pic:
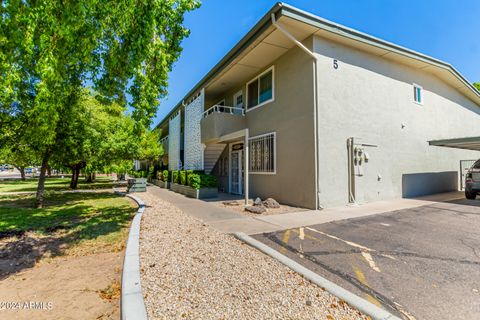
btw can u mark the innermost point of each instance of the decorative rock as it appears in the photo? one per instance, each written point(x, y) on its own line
point(271, 203)
point(231, 203)
point(257, 202)
point(256, 209)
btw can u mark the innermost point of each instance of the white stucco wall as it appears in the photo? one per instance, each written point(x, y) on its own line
point(174, 143)
point(193, 143)
point(371, 98)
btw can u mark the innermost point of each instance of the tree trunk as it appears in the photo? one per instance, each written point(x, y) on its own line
point(49, 171)
point(41, 183)
point(75, 175)
point(88, 177)
point(22, 171)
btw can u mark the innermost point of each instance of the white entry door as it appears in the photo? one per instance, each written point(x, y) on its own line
point(236, 174)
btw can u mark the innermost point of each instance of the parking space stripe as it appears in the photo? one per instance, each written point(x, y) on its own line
point(363, 280)
point(286, 237)
point(368, 257)
point(353, 244)
point(352, 279)
point(301, 233)
point(306, 235)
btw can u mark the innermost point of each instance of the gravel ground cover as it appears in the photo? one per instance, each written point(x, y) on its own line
point(191, 271)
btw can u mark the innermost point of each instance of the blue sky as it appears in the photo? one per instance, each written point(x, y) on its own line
point(447, 30)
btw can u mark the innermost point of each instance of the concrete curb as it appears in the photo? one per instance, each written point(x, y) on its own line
point(132, 306)
point(352, 299)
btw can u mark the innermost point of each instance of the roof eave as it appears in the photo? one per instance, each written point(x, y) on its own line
point(258, 29)
point(283, 9)
point(333, 27)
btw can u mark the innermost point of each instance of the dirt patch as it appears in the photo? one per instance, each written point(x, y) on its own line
point(63, 261)
point(66, 288)
point(22, 252)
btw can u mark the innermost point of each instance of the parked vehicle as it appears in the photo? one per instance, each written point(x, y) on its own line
point(472, 181)
point(28, 170)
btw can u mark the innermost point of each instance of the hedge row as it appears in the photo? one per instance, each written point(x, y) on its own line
point(191, 178)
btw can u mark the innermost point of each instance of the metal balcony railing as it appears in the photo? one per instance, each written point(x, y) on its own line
point(224, 109)
point(164, 143)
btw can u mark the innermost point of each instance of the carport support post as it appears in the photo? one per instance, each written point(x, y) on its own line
point(246, 156)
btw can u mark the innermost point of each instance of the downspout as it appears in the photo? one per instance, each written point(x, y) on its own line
point(315, 101)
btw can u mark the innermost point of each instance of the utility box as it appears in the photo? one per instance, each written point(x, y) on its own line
point(137, 185)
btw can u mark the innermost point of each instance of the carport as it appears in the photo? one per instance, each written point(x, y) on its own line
point(470, 143)
point(466, 143)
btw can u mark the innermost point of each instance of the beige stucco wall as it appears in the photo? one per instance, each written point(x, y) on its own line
point(290, 116)
point(371, 98)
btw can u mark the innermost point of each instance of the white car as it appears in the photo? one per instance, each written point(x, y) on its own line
point(472, 181)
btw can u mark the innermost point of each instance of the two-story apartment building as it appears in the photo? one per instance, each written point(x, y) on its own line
point(315, 114)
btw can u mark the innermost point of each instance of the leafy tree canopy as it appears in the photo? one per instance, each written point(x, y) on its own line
point(52, 50)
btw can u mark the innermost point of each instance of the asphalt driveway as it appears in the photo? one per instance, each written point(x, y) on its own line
point(419, 263)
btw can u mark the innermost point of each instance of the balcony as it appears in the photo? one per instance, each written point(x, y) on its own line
point(219, 121)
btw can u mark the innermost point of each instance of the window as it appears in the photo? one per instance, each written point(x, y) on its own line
point(417, 94)
point(260, 90)
point(262, 151)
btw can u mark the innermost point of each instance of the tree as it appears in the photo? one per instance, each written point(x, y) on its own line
point(51, 50)
point(150, 147)
point(97, 135)
point(19, 155)
point(477, 85)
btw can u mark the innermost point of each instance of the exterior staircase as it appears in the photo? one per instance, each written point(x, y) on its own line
point(211, 154)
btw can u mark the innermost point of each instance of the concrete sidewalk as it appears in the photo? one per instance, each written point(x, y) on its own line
point(229, 221)
point(224, 220)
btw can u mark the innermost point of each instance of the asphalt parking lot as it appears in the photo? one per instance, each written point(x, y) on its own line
point(418, 263)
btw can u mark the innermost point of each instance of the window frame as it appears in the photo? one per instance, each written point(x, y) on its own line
point(274, 172)
point(257, 78)
point(422, 95)
point(235, 96)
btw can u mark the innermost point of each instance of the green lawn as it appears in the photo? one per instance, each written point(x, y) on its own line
point(54, 184)
point(73, 217)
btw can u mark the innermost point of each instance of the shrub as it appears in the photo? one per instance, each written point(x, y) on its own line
point(159, 175)
point(200, 180)
point(137, 174)
point(165, 175)
point(175, 176)
point(151, 172)
point(183, 177)
point(194, 180)
point(187, 174)
point(209, 181)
